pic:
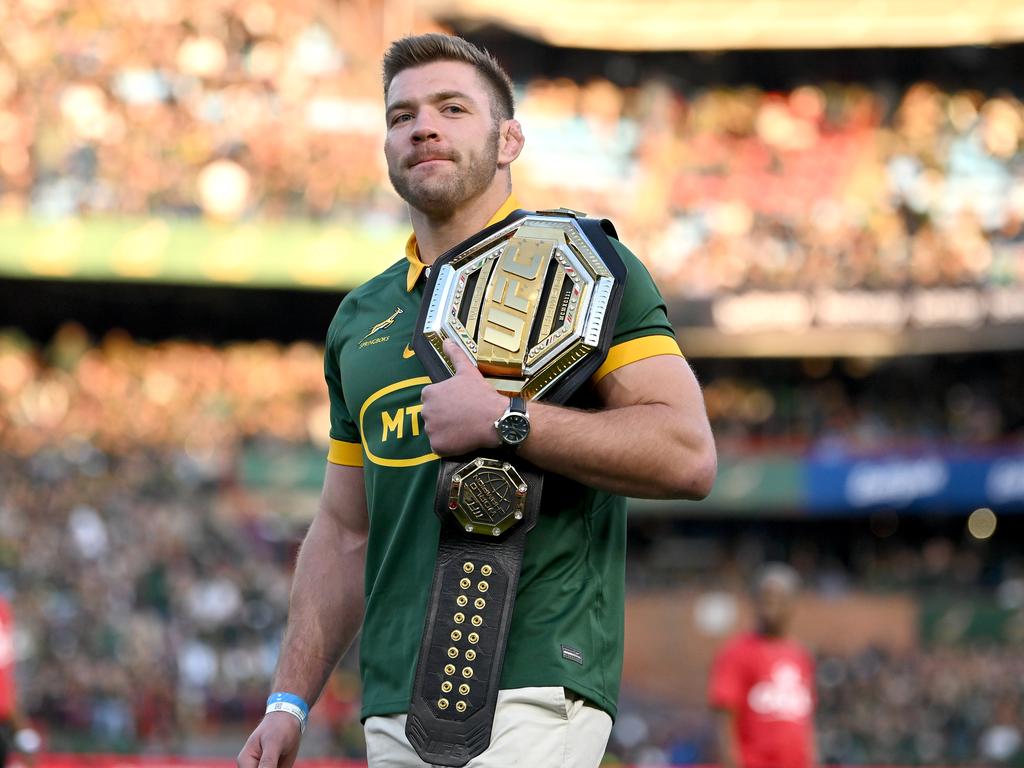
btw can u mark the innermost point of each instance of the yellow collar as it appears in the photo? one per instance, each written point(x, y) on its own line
point(412, 252)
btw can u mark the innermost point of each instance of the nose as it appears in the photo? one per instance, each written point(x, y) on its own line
point(425, 128)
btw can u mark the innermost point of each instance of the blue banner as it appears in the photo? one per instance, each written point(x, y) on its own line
point(933, 482)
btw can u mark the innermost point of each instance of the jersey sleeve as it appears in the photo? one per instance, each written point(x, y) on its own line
point(725, 686)
point(346, 445)
point(642, 328)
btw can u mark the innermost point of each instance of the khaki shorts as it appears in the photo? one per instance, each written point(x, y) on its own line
point(533, 728)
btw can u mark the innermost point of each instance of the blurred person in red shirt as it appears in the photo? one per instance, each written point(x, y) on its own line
point(762, 684)
point(12, 722)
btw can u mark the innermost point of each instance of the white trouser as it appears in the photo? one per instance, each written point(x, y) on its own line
point(546, 727)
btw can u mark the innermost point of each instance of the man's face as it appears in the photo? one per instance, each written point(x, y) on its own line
point(442, 140)
point(774, 607)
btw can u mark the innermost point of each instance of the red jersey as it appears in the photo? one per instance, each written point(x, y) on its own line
point(769, 684)
point(6, 661)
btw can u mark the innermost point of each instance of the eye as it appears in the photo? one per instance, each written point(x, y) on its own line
point(453, 108)
point(401, 117)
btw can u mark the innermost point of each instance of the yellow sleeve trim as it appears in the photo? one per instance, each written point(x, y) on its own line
point(346, 454)
point(636, 349)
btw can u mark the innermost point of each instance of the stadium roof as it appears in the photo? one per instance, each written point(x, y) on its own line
point(677, 25)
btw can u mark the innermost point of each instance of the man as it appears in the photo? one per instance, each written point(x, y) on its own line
point(762, 684)
point(369, 555)
point(15, 729)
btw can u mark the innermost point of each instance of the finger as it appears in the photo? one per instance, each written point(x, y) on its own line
point(270, 756)
point(250, 755)
point(459, 359)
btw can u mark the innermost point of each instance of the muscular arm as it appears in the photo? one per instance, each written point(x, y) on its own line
point(652, 439)
point(326, 606)
point(725, 732)
point(324, 614)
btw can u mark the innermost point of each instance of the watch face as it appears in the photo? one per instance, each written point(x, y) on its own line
point(514, 428)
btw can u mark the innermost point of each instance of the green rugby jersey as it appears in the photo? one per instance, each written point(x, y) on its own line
point(567, 627)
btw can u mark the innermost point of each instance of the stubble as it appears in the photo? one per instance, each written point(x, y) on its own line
point(439, 198)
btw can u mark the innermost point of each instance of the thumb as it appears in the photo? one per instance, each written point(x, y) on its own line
point(459, 359)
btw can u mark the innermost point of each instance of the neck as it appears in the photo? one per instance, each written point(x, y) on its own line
point(770, 631)
point(434, 236)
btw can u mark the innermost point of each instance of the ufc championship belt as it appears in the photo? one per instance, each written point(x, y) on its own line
point(533, 301)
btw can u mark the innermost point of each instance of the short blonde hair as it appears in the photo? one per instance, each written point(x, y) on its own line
point(417, 50)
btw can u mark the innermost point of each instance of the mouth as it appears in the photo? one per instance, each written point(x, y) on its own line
point(428, 161)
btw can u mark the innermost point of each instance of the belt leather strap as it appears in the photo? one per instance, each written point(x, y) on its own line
point(463, 646)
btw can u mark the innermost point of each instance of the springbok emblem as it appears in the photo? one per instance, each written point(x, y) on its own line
point(383, 323)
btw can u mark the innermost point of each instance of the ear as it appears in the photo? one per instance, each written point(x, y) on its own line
point(510, 141)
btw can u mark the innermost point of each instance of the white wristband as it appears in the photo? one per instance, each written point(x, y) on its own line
point(291, 709)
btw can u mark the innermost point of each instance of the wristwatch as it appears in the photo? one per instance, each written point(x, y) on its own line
point(514, 424)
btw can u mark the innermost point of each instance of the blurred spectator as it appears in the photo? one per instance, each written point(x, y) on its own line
point(762, 684)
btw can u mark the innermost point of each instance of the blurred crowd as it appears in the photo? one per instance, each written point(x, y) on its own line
point(149, 590)
point(954, 707)
point(261, 109)
point(867, 406)
point(949, 707)
point(149, 585)
point(210, 400)
point(150, 582)
point(146, 599)
point(123, 394)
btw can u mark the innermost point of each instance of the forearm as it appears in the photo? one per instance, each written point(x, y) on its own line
point(652, 438)
point(726, 738)
point(326, 607)
point(644, 451)
point(726, 754)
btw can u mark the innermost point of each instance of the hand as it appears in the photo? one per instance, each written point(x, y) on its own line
point(274, 743)
point(459, 413)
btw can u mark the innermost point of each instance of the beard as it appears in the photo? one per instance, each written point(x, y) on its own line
point(440, 196)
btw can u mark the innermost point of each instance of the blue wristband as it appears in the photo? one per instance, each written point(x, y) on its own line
point(289, 698)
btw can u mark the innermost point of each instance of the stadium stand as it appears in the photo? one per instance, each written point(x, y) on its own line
point(152, 493)
point(150, 572)
point(247, 111)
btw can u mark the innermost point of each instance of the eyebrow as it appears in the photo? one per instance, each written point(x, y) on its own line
point(431, 98)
